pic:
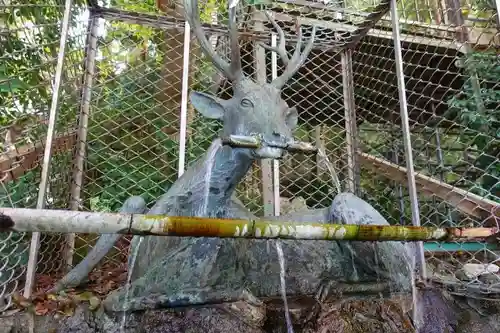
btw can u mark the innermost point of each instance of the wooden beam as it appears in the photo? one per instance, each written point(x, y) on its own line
point(165, 23)
point(465, 201)
point(16, 163)
point(353, 30)
point(320, 7)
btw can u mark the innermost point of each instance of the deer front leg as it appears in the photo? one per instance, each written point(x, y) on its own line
point(79, 273)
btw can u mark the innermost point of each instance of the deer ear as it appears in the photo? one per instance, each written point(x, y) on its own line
point(209, 106)
point(292, 117)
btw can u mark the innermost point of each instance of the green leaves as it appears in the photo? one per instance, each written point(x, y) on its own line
point(13, 85)
point(481, 127)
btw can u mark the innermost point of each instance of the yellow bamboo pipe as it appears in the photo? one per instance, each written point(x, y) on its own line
point(62, 221)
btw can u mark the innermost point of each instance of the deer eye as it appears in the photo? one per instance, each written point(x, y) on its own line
point(245, 102)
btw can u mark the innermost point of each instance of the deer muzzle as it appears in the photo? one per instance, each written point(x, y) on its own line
point(270, 152)
point(257, 143)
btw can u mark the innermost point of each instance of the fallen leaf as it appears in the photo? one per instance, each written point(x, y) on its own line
point(40, 309)
point(67, 311)
point(94, 303)
point(20, 300)
point(85, 296)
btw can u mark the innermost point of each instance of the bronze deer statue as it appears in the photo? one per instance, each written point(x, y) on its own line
point(254, 109)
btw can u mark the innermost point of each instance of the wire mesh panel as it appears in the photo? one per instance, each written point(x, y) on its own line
point(30, 37)
point(133, 133)
point(451, 75)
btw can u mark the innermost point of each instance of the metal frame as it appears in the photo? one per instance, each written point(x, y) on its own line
point(35, 238)
point(405, 126)
point(276, 163)
point(266, 166)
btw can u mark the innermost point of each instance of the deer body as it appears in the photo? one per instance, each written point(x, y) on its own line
point(188, 197)
point(184, 198)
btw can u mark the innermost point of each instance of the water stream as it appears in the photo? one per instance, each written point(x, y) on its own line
point(281, 259)
point(209, 164)
point(336, 183)
point(279, 249)
point(331, 169)
point(131, 263)
point(212, 151)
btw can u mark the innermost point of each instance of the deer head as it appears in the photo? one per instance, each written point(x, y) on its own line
point(255, 108)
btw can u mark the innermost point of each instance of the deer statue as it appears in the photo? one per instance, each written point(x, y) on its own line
point(254, 108)
point(174, 271)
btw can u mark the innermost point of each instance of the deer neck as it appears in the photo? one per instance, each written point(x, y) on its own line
point(223, 167)
point(207, 186)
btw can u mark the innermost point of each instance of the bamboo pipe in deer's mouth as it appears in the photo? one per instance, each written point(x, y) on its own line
point(255, 142)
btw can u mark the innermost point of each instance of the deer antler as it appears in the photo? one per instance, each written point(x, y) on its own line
point(231, 71)
point(298, 58)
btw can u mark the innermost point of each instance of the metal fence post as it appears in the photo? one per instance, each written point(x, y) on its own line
point(350, 120)
point(184, 100)
point(276, 163)
point(83, 122)
point(265, 165)
point(497, 5)
point(412, 188)
point(44, 177)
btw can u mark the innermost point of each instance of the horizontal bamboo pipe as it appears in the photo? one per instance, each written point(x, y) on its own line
point(257, 142)
point(63, 221)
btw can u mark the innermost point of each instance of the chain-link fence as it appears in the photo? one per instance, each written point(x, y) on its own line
point(30, 34)
point(450, 66)
point(119, 130)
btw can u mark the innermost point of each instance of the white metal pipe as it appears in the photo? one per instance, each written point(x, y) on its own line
point(266, 165)
point(497, 3)
point(184, 100)
point(412, 188)
point(276, 163)
point(44, 177)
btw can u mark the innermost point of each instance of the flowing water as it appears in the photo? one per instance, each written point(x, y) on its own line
point(212, 151)
point(336, 183)
point(281, 259)
point(279, 249)
point(331, 169)
point(133, 258)
point(209, 164)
